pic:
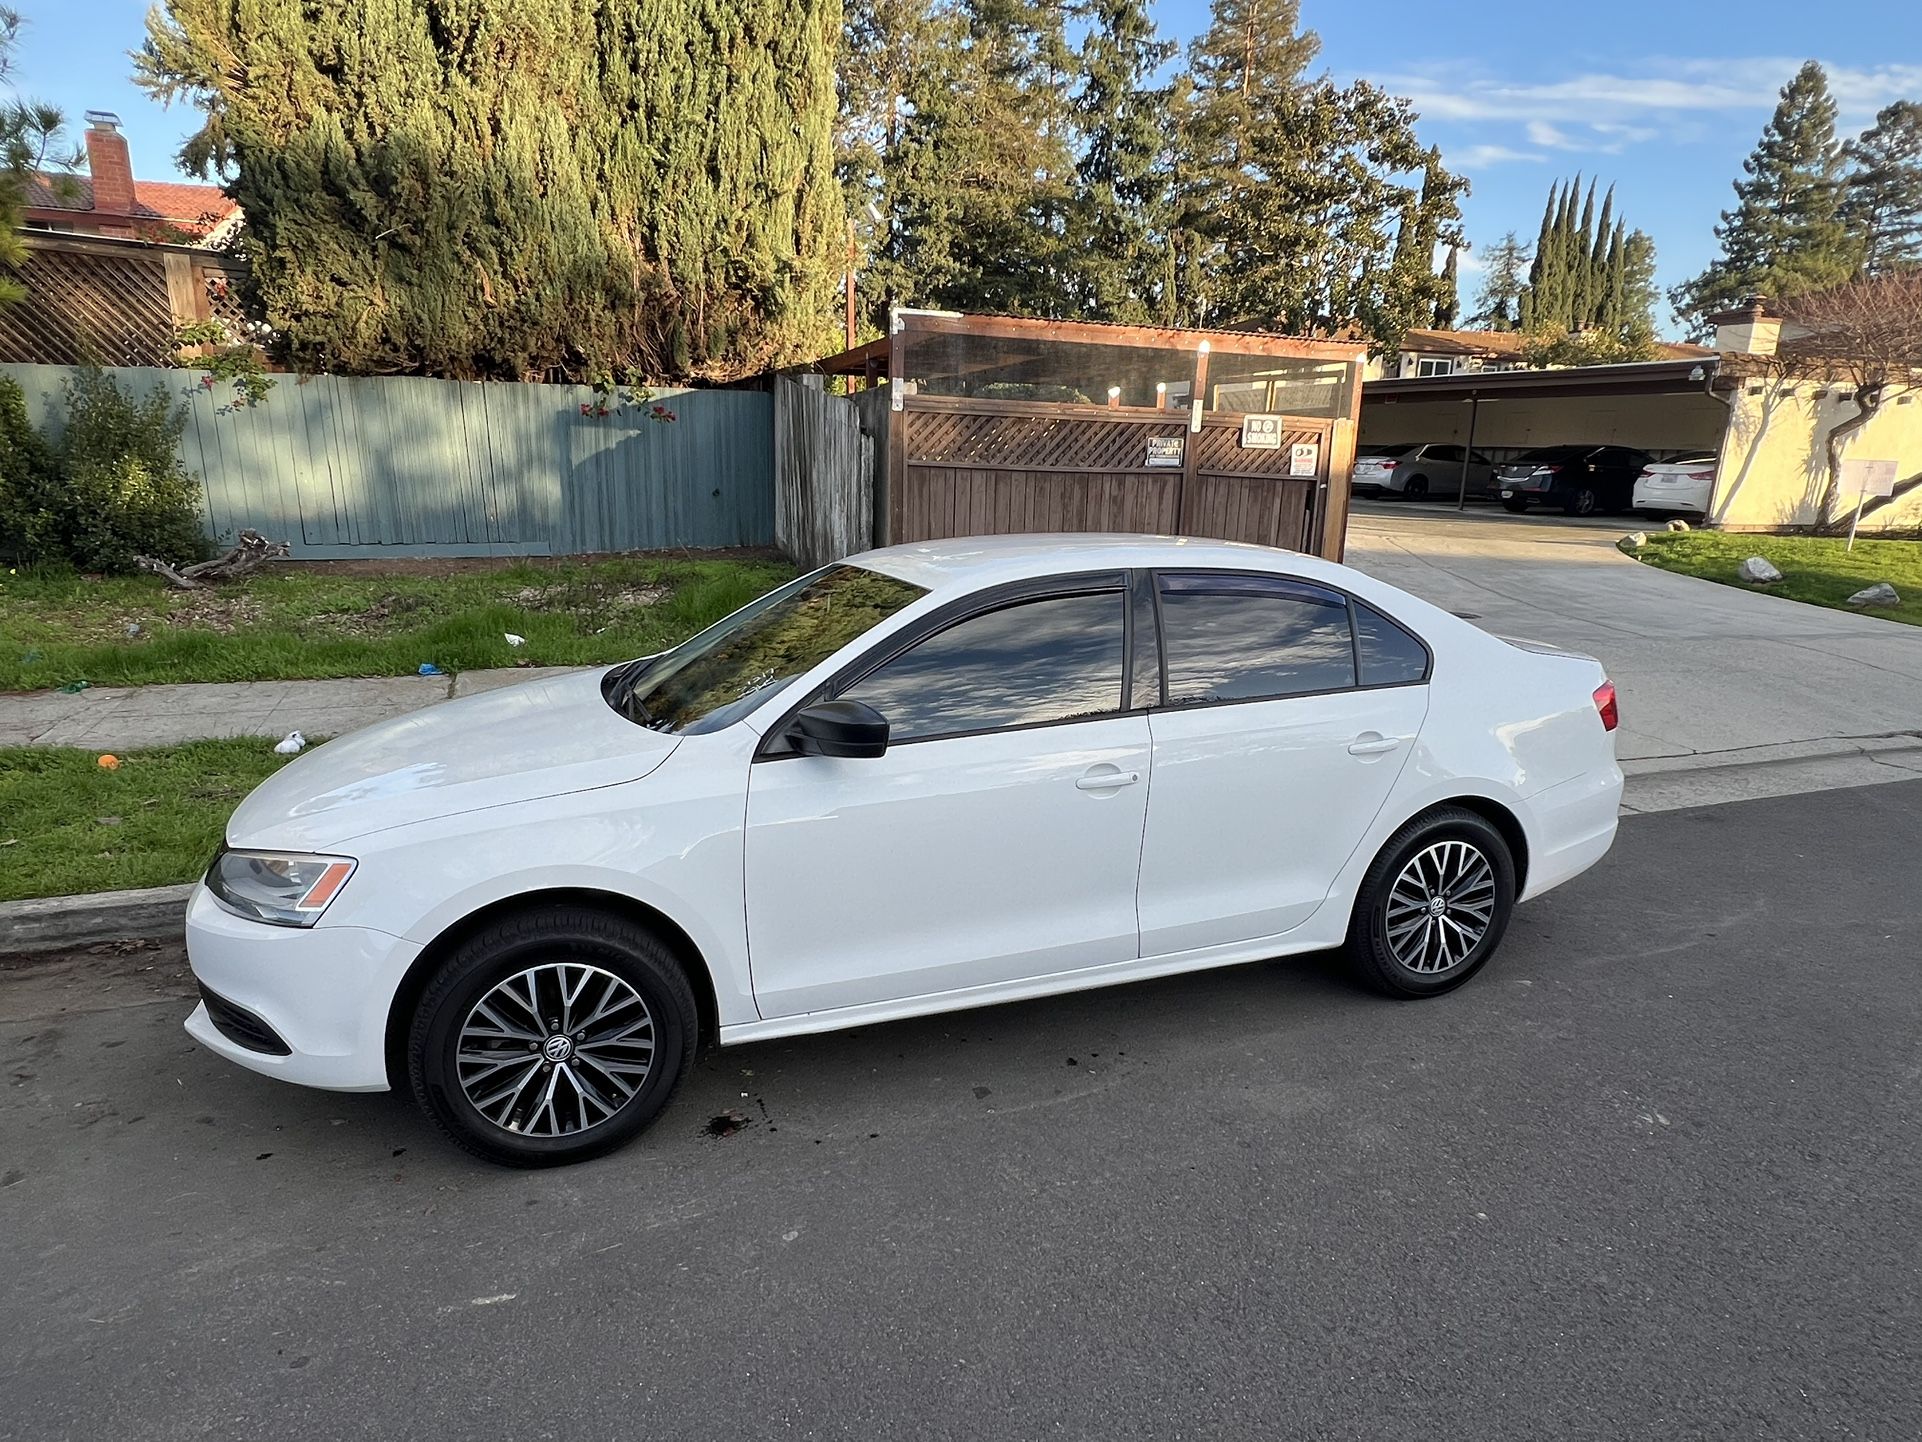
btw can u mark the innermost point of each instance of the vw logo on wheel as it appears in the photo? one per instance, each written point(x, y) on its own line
point(557, 1048)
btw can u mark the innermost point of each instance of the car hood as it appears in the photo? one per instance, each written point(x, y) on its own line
point(540, 738)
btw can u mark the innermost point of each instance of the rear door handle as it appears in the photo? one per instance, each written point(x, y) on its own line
point(1372, 743)
point(1107, 780)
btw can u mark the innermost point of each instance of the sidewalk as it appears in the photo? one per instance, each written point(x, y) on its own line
point(121, 718)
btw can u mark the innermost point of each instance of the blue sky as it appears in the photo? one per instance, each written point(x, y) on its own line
point(1661, 97)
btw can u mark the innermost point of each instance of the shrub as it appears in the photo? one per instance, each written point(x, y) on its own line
point(110, 489)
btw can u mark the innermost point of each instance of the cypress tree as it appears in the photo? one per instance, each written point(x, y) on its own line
point(1595, 313)
point(1448, 302)
point(1582, 270)
point(516, 188)
point(1786, 233)
point(1882, 204)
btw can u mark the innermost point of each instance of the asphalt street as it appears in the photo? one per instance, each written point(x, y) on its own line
point(1653, 1174)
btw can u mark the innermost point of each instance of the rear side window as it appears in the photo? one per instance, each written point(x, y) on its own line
point(1390, 656)
point(1058, 659)
point(1246, 638)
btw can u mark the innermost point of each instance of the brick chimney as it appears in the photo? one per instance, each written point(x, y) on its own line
point(112, 171)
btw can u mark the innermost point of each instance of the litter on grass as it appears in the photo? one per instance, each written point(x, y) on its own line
point(514, 640)
point(291, 744)
point(428, 668)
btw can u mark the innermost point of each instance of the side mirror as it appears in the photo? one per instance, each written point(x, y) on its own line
point(839, 728)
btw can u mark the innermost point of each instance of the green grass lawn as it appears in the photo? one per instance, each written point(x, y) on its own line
point(67, 825)
point(288, 623)
point(1814, 569)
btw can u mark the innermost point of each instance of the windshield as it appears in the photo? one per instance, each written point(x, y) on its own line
point(1379, 453)
point(710, 679)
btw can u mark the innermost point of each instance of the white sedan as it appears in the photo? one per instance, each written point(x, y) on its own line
point(931, 777)
point(1681, 483)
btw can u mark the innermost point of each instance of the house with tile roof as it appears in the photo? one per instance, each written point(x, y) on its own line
point(1471, 352)
point(109, 201)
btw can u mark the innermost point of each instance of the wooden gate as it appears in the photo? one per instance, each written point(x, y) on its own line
point(992, 425)
point(973, 467)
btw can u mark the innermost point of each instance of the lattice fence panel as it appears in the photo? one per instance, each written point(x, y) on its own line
point(1219, 451)
point(83, 307)
point(1015, 441)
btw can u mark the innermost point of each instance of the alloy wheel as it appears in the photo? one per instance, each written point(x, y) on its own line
point(1440, 907)
point(555, 1050)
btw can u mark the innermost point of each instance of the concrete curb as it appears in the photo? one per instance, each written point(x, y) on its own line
point(59, 923)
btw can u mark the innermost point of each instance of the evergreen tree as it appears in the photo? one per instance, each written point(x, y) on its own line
point(1600, 296)
point(1504, 278)
point(1638, 291)
point(1882, 205)
point(1579, 258)
point(1122, 210)
point(1448, 303)
point(1300, 208)
point(1786, 233)
point(522, 188)
point(978, 186)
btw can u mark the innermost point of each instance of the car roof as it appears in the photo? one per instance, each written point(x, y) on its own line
point(968, 563)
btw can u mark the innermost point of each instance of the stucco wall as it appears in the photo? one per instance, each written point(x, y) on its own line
point(1774, 460)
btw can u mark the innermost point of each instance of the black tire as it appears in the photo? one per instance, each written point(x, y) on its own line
point(1582, 501)
point(1370, 951)
point(1416, 489)
point(573, 936)
point(1515, 505)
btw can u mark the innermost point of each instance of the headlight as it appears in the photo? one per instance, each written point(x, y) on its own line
point(285, 888)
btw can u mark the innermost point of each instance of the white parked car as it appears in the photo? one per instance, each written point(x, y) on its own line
point(1681, 483)
point(931, 777)
point(1415, 472)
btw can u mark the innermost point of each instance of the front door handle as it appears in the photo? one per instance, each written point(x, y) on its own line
point(1107, 780)
point(1372, 743)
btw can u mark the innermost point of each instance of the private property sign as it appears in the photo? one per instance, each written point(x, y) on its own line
point(1164, 450)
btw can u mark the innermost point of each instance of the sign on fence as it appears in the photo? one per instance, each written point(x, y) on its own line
point(1261, 433)
point(1304, 458)
point(1164, 450)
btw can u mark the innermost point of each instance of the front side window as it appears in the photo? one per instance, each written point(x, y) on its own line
point(1245, 638)
point(1056, 659)
point(712, 679)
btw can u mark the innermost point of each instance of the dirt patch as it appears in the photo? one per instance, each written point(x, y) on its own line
point(376, 618)
point(224, 612)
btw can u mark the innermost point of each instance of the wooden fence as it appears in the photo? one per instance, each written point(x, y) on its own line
point(823, 475)
point(368, 466)
point(113, 302)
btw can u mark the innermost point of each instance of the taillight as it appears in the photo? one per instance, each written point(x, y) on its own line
point(1605, 705)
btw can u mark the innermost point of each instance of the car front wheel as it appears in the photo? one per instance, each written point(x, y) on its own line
point(552, 1036)
point(1433, 906)
point(1514, 504)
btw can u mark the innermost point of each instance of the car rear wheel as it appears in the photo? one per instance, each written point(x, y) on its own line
point(1416, 489)
point(1582, 501)
point(1515, 504)
point(552, 1036)
point(1433, 906)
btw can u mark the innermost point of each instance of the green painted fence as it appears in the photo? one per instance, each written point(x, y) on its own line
point(352, 467)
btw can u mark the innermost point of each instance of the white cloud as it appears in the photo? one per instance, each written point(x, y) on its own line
point(1622, 105)
point(1540, 132)
point(1476, 157)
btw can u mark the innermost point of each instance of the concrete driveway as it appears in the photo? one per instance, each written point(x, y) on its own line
point(1707, 674)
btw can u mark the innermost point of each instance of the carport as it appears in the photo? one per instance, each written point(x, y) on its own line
point(1662, 407)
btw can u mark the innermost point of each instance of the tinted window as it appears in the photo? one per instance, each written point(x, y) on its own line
point(1477, 458)
point(1242, 638)
point(1389, 655)
point(1444, 453)
point(1049, 660)
point(710, 679)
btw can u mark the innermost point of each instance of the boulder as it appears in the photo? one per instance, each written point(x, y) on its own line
point(1880, 594)
point(1678, 524)
point(1758, 571)
point(1635, 540)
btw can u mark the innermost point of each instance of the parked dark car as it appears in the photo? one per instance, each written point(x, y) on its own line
point(1580, 479)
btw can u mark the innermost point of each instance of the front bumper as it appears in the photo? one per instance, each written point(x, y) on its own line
point(323, 992)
